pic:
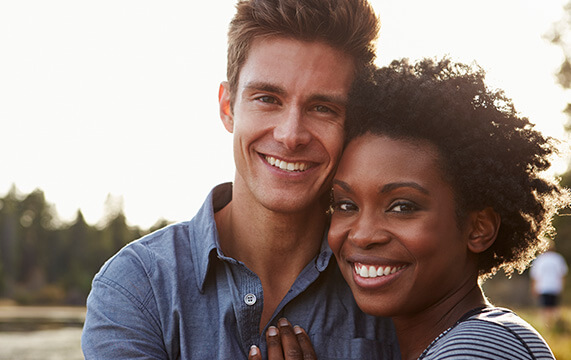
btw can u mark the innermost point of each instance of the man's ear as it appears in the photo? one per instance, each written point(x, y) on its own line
point(484, 225)
point(226, 114)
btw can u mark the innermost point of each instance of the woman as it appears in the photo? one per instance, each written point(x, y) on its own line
point(440, 186)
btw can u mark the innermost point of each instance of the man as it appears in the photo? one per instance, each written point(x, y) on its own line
point(255, 253)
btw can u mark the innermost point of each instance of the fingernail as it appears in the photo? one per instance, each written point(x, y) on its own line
point(272, 331)
point(297, 330)
point(253, 350)
point(282, 322)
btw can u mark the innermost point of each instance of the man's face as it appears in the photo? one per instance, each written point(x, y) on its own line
point(287, 121)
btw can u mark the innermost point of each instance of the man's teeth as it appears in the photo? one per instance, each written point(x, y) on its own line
point(288, 166)
point(370, 271)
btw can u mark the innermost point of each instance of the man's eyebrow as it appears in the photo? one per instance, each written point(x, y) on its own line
point(264, 86)
point(275, 89)
point(392, 186)
point(332, 99)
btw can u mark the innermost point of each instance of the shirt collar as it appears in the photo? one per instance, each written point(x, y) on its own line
point(204, 235)
point(203, 232)
point(325, 253)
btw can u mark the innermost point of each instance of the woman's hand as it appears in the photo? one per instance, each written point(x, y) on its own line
point(285, 343)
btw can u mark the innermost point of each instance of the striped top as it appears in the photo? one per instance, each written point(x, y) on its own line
point(489, 333)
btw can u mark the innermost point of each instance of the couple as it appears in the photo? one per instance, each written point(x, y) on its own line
point(257, 252)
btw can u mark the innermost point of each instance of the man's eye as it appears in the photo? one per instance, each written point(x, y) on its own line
point(323, 109)
point(268, 99)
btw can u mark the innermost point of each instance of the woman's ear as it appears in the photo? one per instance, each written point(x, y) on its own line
point(483, 230)
point(226, 114)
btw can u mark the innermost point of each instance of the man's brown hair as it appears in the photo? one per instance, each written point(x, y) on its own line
point(347, 25)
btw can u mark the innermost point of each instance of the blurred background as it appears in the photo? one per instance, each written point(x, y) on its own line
point(109, 129)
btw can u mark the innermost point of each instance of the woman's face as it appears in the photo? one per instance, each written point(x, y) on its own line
point(394, 227)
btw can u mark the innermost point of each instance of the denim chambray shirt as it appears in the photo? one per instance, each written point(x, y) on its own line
point(174, 295)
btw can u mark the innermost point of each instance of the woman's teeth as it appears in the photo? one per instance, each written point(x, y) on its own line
point(371, 271)
point(288, 166)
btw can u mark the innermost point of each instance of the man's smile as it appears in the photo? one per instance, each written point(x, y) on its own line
point(287, 166)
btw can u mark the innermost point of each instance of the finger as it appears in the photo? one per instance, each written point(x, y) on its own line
point(254, 353)
point(275, 351)
point(304, 343)
point(291, 348)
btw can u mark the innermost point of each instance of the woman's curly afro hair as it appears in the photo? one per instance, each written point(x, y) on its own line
point(490, 156)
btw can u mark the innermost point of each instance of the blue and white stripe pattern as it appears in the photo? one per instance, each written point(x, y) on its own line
point(491, 333)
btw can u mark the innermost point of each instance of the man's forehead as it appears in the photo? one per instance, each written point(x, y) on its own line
point(282, 64)
point(266, 44)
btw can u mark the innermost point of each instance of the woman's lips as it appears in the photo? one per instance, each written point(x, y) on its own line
point(373, 271)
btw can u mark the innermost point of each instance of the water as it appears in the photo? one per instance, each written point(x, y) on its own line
point(53, 344)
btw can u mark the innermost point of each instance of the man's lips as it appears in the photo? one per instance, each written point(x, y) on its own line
point(298, 166)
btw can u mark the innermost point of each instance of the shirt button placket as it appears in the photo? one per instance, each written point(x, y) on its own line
point(250, 308)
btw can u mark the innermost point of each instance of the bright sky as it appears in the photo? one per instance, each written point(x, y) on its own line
point(120, 97)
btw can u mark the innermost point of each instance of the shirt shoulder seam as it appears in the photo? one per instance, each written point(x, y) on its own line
point(140, 304)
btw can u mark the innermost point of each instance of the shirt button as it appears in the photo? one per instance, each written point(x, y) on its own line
point(250, 299)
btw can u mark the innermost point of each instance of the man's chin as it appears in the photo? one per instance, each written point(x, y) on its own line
point(291, 204)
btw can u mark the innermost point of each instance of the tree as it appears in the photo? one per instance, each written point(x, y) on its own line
point(43, 260)
point(36, 217)
point(8, 241)
point(560, 35)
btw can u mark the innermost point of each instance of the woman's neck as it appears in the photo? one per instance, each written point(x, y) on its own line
point(417, 331)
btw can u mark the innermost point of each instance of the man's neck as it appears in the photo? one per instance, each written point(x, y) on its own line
point(276, 246)
point(261, 238)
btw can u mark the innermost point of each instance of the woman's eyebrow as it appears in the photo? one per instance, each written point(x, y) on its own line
point(342, 184)
point(392, 186)
point(386, 188)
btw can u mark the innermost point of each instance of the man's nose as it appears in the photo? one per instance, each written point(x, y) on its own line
point(292, 130)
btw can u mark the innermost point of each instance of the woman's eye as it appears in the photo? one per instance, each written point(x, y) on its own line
point(403, 207)
point(343, 206)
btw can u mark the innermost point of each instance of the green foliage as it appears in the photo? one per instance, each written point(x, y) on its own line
point(558, 335)
point(45, 261)
point(560, 36)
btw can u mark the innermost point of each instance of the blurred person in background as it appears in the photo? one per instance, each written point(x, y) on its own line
point(547, 274)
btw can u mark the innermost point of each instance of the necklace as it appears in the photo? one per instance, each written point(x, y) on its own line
point(464, 317)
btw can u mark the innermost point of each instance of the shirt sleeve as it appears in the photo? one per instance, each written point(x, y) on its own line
point(120, 321)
